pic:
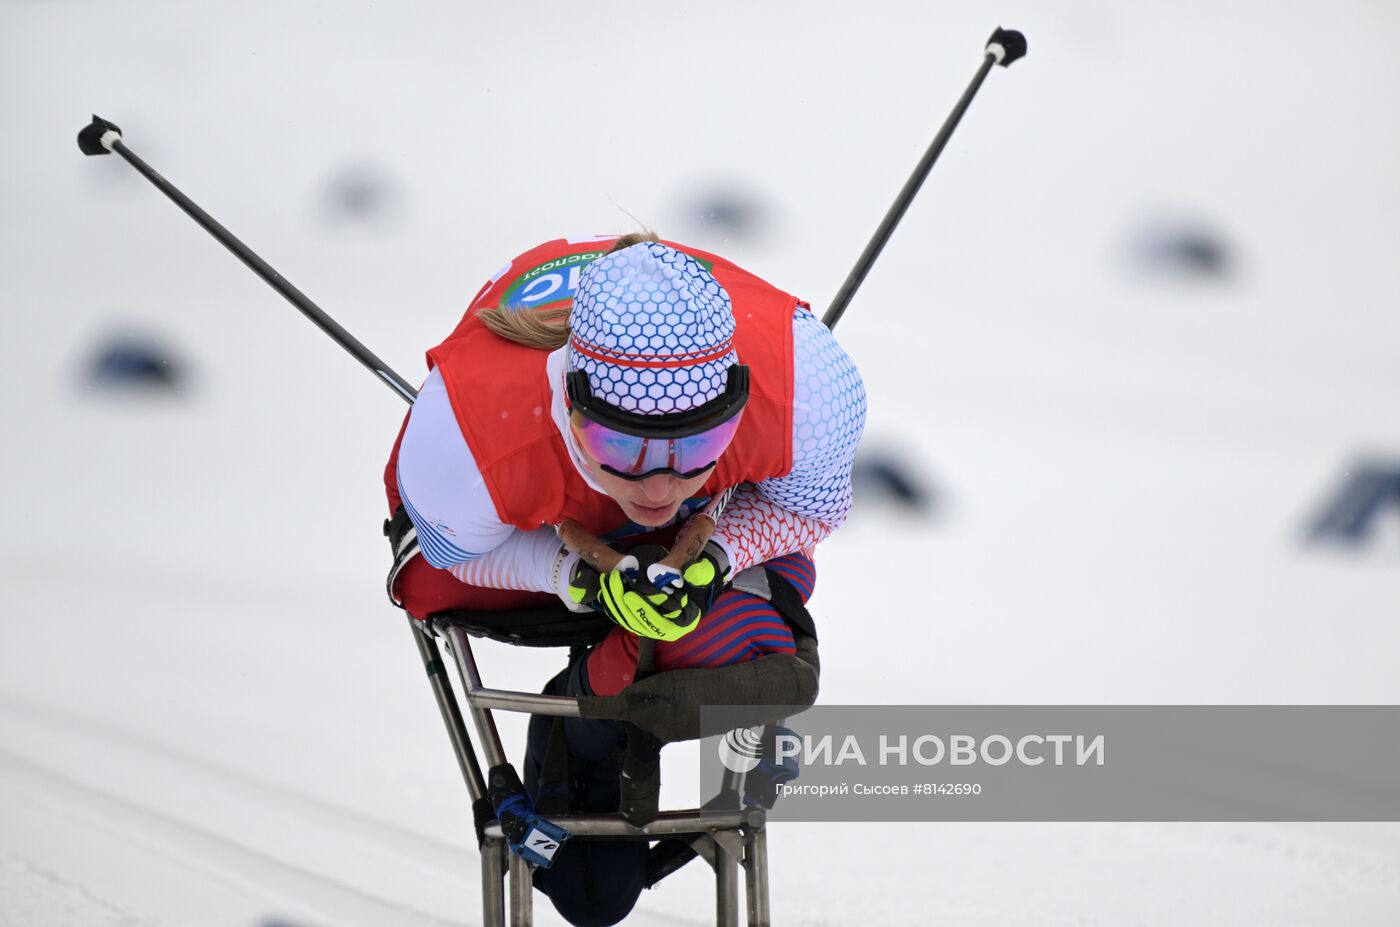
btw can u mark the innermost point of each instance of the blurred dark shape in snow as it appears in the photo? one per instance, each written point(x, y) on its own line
point(134, 363)
point(1182, 250)
point(1368, 489)
point(363, 195)
point(722, 211)
point(889, 478)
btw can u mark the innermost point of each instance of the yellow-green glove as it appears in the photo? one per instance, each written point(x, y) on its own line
point(701, 581)
point(631, 601)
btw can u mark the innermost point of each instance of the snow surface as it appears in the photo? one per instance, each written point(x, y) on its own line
point(208, 714)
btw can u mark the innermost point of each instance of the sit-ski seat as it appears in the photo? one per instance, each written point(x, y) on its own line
point(666, 706)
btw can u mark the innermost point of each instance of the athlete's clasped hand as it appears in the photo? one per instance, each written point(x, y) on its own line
point(627, 597)
point(703, 580)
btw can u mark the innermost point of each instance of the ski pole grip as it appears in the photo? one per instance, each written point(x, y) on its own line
point(689, 543)
point(1006, 46)
point(601, 557)
point(581, 541)
point(98, 136)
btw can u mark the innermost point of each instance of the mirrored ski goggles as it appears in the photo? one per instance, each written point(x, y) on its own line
point(634, 446)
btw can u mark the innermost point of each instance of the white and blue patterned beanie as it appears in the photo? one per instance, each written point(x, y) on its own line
point(653, 330)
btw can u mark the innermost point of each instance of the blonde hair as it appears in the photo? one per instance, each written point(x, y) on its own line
point(546, 328)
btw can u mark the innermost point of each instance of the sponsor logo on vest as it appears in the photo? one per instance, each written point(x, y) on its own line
point(554, 281)
point(551, 282)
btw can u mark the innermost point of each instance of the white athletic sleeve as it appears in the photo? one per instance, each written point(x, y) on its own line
point(796, 511)
point(443, 490)
point(532, 560)
point(447, 500)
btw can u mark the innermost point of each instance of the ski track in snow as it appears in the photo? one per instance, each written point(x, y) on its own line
point(105, 737)
point(265, 876)
point(32, 894)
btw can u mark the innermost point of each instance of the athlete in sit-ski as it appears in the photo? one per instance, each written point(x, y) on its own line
point(678, 377)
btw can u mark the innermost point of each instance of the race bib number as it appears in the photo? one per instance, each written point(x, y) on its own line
point(542, 844)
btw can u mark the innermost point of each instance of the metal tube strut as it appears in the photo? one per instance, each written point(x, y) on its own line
point(447, 706)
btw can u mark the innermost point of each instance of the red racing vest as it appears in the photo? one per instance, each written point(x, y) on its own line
point(500, 392)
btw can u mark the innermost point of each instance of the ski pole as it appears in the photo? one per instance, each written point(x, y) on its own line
point(101, 137)
point(1004, 47)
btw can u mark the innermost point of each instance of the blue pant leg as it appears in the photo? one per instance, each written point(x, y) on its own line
point(593, 883)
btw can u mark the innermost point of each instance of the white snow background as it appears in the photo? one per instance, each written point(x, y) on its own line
point(210, 715)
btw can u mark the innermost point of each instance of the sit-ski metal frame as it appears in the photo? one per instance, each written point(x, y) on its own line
point(725, 839)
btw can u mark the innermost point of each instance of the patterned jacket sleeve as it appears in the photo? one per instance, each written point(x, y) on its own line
point(794, 512)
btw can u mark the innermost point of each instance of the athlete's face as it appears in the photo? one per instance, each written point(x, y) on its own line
point(652, 501)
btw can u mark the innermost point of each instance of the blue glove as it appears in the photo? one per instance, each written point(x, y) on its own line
point(529, 836)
